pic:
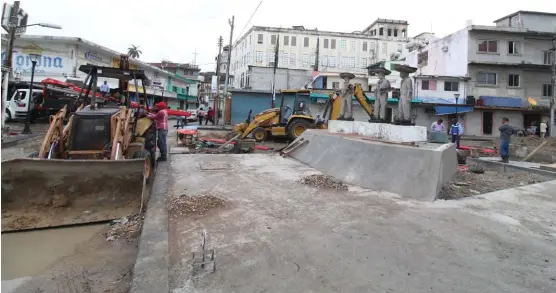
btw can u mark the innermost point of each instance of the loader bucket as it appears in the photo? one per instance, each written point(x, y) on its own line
point(39, 193)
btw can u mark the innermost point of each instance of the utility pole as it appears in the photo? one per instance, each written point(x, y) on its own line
point(231, 22)
point(216, 106)
point(7, 66)
point(553, 85)
point(195, 56)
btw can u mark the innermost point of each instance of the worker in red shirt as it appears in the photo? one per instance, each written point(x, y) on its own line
point(210, 116)
point(160, 117)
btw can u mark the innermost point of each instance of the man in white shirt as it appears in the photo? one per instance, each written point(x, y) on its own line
point(104, 88)
point(543, 127)
point(438, 126)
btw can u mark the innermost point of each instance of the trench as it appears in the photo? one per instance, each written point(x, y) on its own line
point(28, 254)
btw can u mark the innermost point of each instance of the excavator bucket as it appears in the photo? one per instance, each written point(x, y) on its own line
point(39, 193)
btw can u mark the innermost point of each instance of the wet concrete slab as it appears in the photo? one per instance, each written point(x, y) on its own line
point(277, 235)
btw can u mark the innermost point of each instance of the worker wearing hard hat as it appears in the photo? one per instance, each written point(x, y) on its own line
point(160, 117)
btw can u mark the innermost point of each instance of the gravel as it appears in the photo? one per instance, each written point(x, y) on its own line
point(468, 183)
point(323, 181)
point(127, 228)
point(185, 205)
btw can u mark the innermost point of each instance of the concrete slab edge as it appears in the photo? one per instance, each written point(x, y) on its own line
point(150, 273)
point(510, 168)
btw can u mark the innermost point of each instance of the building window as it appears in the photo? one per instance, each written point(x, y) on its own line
point(548, 57)
point(353, 45)
point(294, 41)
point(451, 86)
point(285, 59)
point(513, 80)
point(270, 58)
point(429, 85)
point(292, 59)
point(286, 40)
point(325, 44)
point(305, 59)
point(175, 89)
point(333, 44)
point(259, 56)
point(381, 31)
point(423, 58)
point(395, 32)
point(306, 42)
point(343, 45)
point(345, 61)
point(259, 38)
point(335, 84)
point(365, 46)
point(513, 47)
point(389, 32)
point(486, 46)
point(547, 90)
point(241, 84)
point(364, 62)
point(486, 78)
point(351, 62)
point(323, 60)
point(331, 61)
point(384, 48)
point(273, 39)
point(313, 58)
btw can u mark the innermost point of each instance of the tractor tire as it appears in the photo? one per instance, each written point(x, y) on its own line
point(259, 134)
point(297, 127)
point(34, 155)
point(149, 163)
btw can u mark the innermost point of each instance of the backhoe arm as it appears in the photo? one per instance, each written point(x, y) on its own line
point(363, 100)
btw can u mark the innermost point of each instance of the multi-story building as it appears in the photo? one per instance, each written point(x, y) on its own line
point(511, 59)
point(337, 51)
point(184, 82)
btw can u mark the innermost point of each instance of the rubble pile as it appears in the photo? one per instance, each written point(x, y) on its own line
point(185, 205)
point(478, 180)
point(323, 181)
point(127, 228)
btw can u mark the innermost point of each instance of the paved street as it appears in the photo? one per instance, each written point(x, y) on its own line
point(273, 229)
point(23, 146)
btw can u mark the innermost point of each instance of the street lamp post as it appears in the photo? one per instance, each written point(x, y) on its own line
point(457, 98)
point(34, 58)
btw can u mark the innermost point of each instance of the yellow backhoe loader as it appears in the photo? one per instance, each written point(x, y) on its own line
point(334, 105)
point(92, 169)
point(279, 122)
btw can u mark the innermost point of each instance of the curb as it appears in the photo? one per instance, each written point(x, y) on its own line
point(511, 168)
point(150, 273)
point(12, 142)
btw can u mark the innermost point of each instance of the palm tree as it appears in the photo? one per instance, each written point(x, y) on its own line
point(134, 51)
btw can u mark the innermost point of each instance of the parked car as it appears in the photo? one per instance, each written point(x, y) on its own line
point(193, 116)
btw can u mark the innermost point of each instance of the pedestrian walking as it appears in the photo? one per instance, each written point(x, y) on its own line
point(210, 116)
point(543, 128)
point(105, 89)
point(438, 126)
point(201, 115)
point(160, 117)
point(456, 130)
point(506, 132)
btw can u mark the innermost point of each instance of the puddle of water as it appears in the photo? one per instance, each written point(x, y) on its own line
point(28, 254)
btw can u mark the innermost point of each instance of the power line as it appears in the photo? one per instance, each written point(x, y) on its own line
point(250, 18)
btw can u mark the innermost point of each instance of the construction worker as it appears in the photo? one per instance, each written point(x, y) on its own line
point(456, 130)
point(160, 117)
point(506, 132)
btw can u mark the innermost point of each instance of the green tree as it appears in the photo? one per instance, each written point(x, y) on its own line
point(134, 51)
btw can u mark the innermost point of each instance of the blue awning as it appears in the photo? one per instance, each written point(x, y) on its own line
point(445, 110)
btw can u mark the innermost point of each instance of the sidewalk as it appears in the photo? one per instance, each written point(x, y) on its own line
point(11, 136)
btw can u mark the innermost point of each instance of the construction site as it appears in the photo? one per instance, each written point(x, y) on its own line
point(283, 202)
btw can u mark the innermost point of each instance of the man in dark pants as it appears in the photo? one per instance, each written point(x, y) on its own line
point(506, 132)
point(456, 130)
point(160, 117)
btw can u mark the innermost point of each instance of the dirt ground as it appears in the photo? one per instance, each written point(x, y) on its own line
point(97, 265)
point(467, 183)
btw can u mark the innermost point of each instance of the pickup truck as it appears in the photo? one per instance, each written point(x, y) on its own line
point(17, 103)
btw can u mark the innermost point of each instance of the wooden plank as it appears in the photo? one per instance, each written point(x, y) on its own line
point(551, 167)
point(530, 156)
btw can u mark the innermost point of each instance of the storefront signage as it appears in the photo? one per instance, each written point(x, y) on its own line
point(47, 63)
point(92, 56)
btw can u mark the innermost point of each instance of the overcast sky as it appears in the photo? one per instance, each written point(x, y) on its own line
point(174, 29)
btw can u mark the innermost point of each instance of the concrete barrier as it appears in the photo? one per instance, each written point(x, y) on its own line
point(417, 172)
point(385, 131)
